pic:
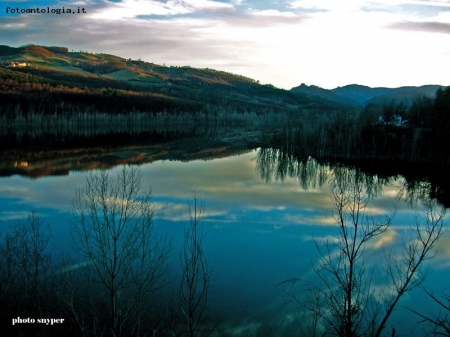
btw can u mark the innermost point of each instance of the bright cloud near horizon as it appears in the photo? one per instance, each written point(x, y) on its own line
point(327, 43)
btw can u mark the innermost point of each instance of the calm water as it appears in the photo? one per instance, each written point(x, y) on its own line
point(260, 232)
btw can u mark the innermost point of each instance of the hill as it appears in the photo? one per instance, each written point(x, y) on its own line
point(315, 91)
point(42, 78)
point(405, 94)
point(360, 93)
point(355, 94)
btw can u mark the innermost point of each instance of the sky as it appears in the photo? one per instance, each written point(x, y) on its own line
point(328, 43)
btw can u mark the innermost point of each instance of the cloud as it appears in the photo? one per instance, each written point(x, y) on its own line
point(284, 42)
point(17, 215)
point(426, 10)
point(267, 208)
point(308, 220)
point(196, 33)
point(205, 4)
point(408, 8)
point(133, 8)
point(442, 250)
point(326, 5)
point(173, 211)
point(429, 27)
point(145, 8)
point(247, 329)
point(386, 239)
point(267, 18)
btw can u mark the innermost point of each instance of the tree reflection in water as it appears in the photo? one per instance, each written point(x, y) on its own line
point(274, 164)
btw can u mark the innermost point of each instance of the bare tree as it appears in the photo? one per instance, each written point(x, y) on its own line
point(406, 273)
point(25, 261)
point(440, 321)
point(196, 272)
point(32, 238)
point(341, 268)
point(344, 302)
point(81, 294)
point(112, 228)
point(26, 285)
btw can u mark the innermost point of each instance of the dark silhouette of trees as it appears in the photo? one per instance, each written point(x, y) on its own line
point(420, 113)
point(196, 272)
point(26, 265)
point(112, 226)
point(27, 277)
point(442, 106)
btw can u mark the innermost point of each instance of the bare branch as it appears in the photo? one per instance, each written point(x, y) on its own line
point(112, 227)
point(196, 272)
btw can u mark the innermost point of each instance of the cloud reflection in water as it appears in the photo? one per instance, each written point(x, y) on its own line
point(259, 233)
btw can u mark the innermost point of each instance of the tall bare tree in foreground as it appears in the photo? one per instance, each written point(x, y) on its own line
point(112, 228)
point(344, 302)
point(345, 278)
point(406, 273)
point(196, 272)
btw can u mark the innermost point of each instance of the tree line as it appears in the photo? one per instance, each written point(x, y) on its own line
point(418, 133)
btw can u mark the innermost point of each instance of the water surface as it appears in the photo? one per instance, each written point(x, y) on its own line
point(261, 225)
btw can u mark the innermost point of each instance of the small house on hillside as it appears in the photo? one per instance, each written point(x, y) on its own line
point(13, 64)
point(393, 120)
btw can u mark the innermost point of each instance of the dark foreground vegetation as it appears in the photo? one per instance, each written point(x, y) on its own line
point(114, 281)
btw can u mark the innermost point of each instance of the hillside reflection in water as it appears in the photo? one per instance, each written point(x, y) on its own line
point(262, 209)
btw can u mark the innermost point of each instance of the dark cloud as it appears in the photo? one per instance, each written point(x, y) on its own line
point(236, 18)
point(208, 37)
point(171, 42)
point(431, 27)
point(250, 15)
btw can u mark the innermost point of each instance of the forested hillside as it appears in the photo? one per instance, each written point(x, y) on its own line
point(391, 132)
point(48, 80)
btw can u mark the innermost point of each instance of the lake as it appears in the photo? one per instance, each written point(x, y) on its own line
point(262, 219)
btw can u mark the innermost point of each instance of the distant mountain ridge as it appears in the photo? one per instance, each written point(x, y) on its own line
point(355, 94)
point(330, 95)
